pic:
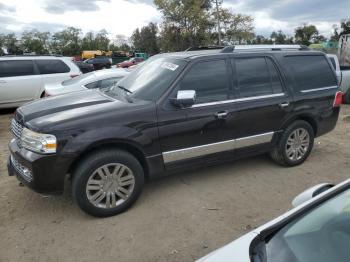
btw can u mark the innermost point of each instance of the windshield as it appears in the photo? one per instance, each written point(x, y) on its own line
point(322, 235)
point(79, 78)
point(151, 80)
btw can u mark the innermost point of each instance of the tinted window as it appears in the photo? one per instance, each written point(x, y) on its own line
point(107, 83)
point(311, 72)
point(333, 63)
point(52, 67)
point(257, 76)
point(92, 85)
point(209, 80)
point(322, 234)
point(16, 68)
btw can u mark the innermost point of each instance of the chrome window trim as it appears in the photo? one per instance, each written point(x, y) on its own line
point(319, 89)
point(228, 145)
point(237, 100)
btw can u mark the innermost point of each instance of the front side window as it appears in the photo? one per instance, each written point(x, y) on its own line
point(323, 234)
point(257, 76)
point(107, 83)
point(50, 66)
point(310, 72)
point(209, 79)
point(16, 68)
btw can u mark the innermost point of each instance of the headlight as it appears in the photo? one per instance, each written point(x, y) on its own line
point(40, 143)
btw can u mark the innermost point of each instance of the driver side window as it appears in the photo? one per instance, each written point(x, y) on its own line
point(209, 79)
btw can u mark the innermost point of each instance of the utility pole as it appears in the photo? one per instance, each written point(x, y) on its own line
point(218, 3)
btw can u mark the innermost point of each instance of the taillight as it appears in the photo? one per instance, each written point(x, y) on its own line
point(74, 75)
point(338, 100)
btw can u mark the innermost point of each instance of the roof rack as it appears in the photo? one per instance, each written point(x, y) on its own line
point(210, 47)
point(230, 49)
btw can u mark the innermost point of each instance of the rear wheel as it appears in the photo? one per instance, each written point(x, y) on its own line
point(107, 182)
point(295, 144)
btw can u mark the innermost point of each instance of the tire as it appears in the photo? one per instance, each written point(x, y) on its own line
point(284, 153)
point(101, 176)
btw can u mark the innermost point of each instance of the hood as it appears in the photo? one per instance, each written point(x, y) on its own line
point(52, 105)
point(58, 89)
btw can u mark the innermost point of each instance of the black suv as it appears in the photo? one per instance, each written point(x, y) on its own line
point(99, 62)
point(178, 110)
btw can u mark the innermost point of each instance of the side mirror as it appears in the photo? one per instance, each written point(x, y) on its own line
point(184, 98)
point(310, 193)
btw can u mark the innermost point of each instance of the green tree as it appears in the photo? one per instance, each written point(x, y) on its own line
point(12, 44)
point(88, 42)
point(67, 42)
point(102, 40)
point(279, 37)
point(146, 40)
point(305, 34)
point(188, 20)
point(35, 41)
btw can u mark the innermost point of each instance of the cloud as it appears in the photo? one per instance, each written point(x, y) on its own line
point(62, 6)
point(6, 8)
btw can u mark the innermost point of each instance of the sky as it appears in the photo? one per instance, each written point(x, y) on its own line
point(123, 16)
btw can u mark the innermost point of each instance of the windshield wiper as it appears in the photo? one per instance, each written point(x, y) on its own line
point(125, 89)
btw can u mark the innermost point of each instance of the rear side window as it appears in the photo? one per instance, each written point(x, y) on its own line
point(209, 80)
point(257, 76)
point(16, 68)
point(310, 72)
point(52, 66)
point(333, 63)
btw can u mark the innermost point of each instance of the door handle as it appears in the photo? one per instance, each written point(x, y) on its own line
point(221, 114)
point(3, 82)
point(284, 104)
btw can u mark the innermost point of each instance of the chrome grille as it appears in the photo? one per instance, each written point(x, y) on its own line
point(21, 170)
point(16, 128)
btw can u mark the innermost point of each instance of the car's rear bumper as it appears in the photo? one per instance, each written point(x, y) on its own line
point(41, 173)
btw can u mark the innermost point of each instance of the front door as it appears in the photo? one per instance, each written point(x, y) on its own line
point(204, 129)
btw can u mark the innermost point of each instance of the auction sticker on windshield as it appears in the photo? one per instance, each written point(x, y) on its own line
point(169, 66)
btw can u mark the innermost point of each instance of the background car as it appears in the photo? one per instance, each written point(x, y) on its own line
point(22, 78)
point(102, 79)
point(100, 62)
point(317, 229)
point(85, 67)
point(131, 62)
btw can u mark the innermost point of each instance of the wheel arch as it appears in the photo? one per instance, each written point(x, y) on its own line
point(121, 145)
point(305, 117)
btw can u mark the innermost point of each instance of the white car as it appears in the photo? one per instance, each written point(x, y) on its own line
point(343, 75)
point(22, 78)
point(102, 79)
point(316, 230)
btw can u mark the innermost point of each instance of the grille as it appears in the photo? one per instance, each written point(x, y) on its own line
point(16, 128)
point(21, 170)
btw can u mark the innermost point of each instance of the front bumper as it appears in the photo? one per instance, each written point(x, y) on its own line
point(41, 173)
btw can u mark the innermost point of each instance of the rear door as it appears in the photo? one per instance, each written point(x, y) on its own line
point(19, 81)
point(52, 70)
point(263, 103)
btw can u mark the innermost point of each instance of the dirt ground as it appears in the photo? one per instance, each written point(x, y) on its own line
point(177, 218)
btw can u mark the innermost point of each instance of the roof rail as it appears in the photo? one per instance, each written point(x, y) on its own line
point(210, 47)
point(25, 55)
point(230, 49)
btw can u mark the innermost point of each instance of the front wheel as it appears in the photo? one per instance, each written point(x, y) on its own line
point(295, 145)
point(107, 182)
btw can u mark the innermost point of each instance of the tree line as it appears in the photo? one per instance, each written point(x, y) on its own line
point(185, 23)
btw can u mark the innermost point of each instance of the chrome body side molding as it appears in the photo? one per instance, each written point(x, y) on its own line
point(319, 89)
point(228, 145)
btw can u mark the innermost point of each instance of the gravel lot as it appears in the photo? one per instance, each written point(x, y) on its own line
point(177, 218)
